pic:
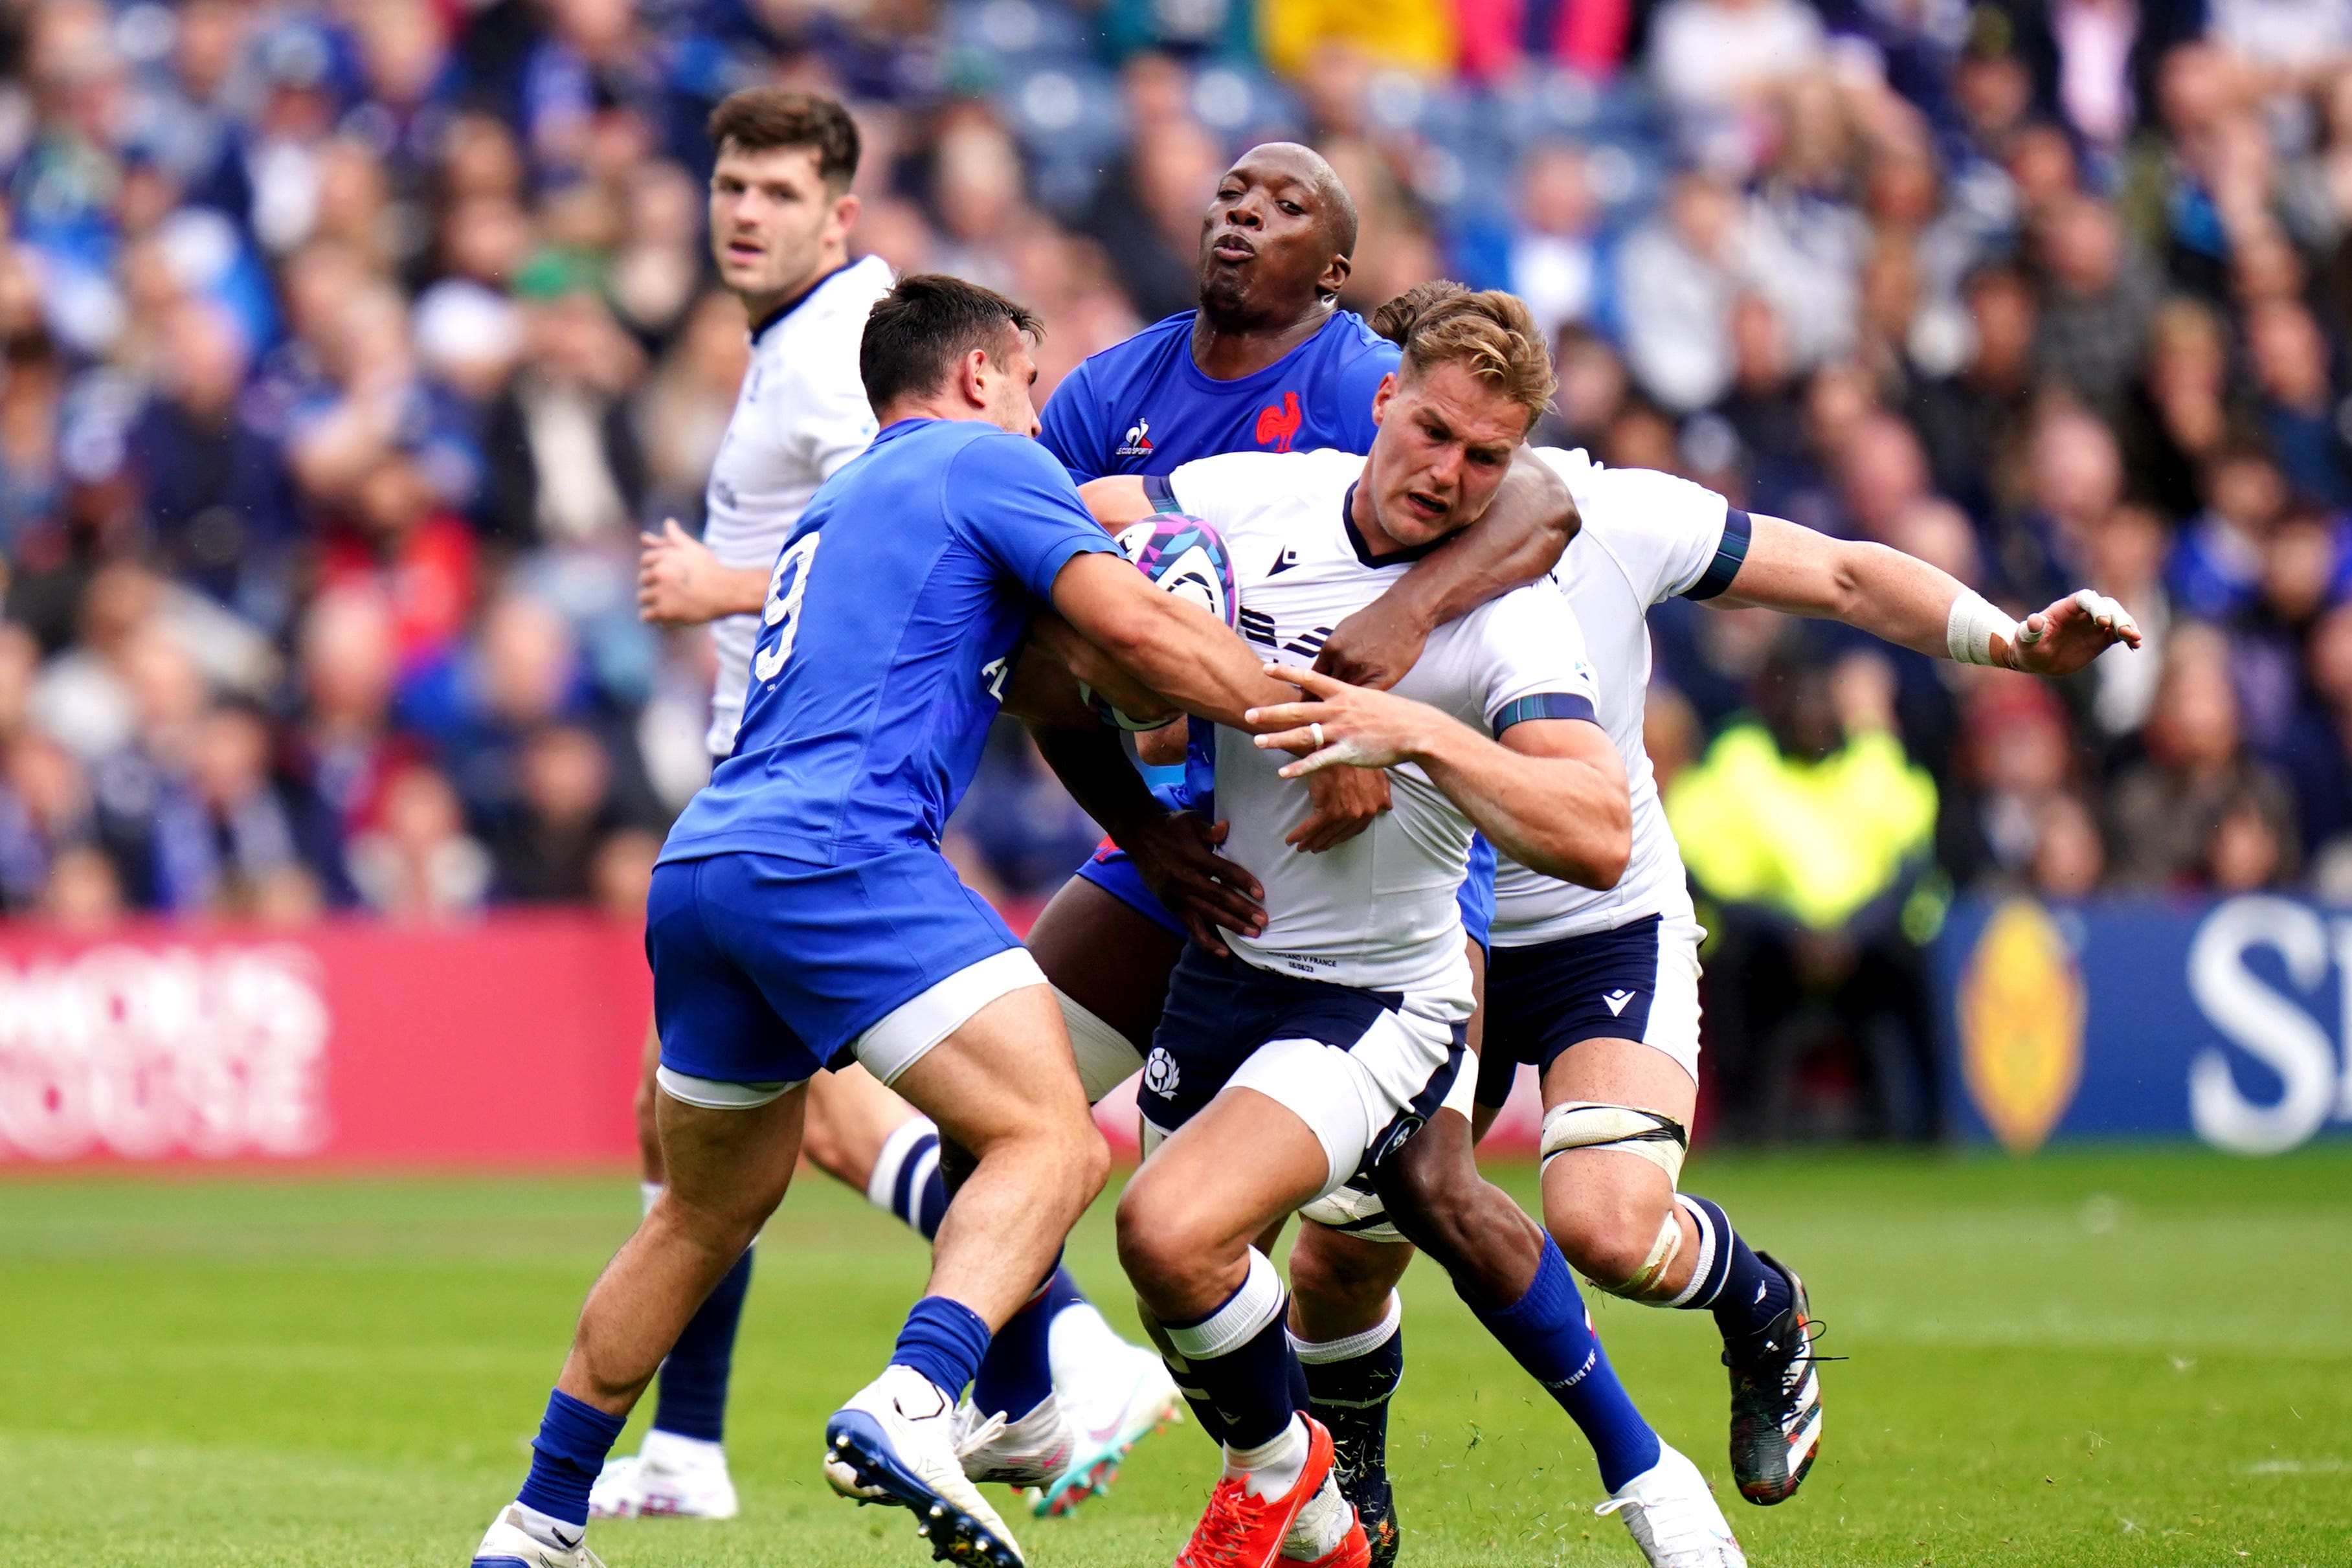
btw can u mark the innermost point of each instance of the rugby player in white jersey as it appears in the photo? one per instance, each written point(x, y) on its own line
point(781, 212)
point(1598, 988)
point(1323, 1041)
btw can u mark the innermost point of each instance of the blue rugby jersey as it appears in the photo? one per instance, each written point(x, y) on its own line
point(891, 612)
point(1143, 406)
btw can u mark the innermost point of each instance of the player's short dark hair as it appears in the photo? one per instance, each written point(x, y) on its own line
point(927, 322)
point(763, 118)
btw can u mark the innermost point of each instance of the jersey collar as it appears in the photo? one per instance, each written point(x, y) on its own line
point(796, 302)
point(1273, 372)
point(1405, 557)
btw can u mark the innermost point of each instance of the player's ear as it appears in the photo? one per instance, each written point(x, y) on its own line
point(1381, 395)
point(843, 218)
point(974, 377)
point(1334, 277)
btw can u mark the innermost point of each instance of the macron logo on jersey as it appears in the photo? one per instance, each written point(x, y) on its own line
point(1139, 440)
point(1277, 426)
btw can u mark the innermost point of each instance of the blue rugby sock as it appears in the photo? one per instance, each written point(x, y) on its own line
point(1745, 1292)
point(692, 1398)
point(944, 1340)
point(573, 1439)
point(905, 1180)
point(1239, 1357)
point(1548, 1332)
point(1017, 1374)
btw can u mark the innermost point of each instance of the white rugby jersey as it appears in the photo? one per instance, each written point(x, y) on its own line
point(1647, 536)
point(1379, 913)
point(799, 416)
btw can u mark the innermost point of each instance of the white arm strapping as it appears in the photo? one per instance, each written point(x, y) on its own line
point(1968, 632)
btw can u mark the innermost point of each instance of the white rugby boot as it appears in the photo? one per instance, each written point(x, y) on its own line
point(509, 1546)
point(1117, 1394)
point(898, 1441)
point(671, 1477)
point(1672, 1516)
point(1034, 1451)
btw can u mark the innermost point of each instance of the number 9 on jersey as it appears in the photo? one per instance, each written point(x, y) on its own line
point(780, 617)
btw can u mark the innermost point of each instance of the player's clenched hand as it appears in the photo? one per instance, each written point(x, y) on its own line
point(1177, 856)
point(1342, 723)
point(1375, 646)
point(2071, 633)
point(681, 584)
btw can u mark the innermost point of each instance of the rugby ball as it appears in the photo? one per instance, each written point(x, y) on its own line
point(1185, 557)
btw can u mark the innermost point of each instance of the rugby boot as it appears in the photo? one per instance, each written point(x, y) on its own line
point(509, 1546)
point(1125, 1396)
point(1326, 1534)
point(1776, 1400)
point(1033, 1452)
point(671, 1477)
point(1242, 1530)
point(1673, 1516)
point(896, 1441)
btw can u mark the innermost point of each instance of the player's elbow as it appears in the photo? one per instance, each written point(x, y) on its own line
point(1606, 858)
point(1854, 572)
point(1591, 850)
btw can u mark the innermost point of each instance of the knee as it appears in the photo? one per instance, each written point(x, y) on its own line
point(1607, 1235)
point(724, 1224)
point(1092, 1164)
point(1166, 1254)
point(1433, 1192)
point(1337, 1276)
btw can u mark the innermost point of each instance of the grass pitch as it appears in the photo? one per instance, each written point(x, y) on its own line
point(2132, 1357)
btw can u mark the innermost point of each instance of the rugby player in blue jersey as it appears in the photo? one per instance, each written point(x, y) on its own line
point(802, 913)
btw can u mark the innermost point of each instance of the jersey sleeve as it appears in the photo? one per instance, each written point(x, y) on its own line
point(1357, 384)
point(1671, 536)
point(1014, 504)
point(1531, 660)
point(1069, 429)
point(1224, 490)
point(833, 422)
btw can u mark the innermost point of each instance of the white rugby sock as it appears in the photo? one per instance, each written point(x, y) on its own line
point(1272, 1468)
point(904, 1170)
point(1321, 1525)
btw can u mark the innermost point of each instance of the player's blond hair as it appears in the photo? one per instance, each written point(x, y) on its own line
point(1485, 332)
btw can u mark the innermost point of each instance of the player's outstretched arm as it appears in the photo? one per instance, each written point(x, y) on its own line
point(1903, 599)
point(1550, 795)
point(681, 584)
point(1521, 537)
point(1175, 648)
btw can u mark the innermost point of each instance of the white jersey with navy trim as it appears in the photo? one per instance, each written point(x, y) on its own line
point(1646, 537)
point(799, 416)
point(1379, 913)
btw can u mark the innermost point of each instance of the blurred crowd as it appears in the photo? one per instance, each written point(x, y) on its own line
point(346, 346)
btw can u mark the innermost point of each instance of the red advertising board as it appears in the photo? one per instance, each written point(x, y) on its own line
point(514, 1041)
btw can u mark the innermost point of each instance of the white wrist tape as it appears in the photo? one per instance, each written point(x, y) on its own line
point(1968, 634)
